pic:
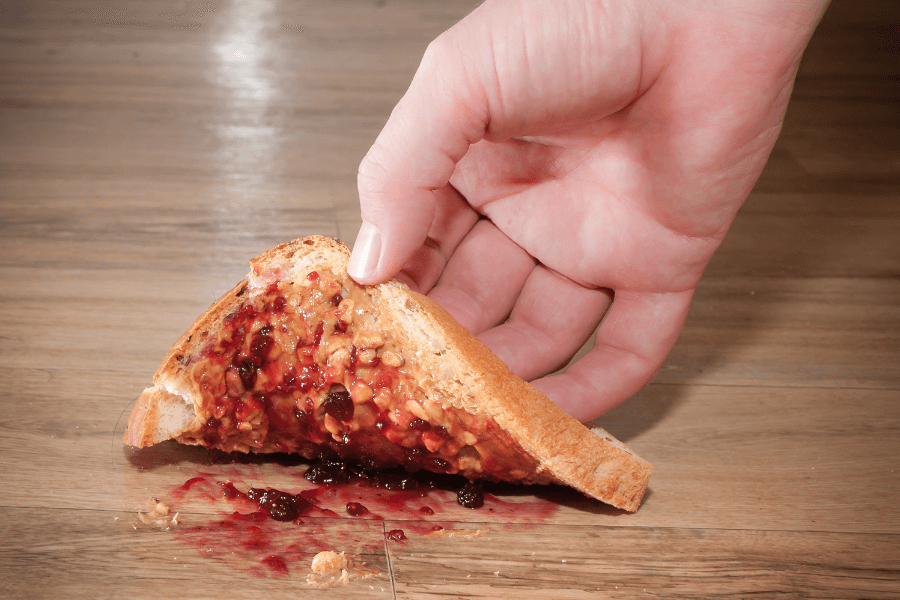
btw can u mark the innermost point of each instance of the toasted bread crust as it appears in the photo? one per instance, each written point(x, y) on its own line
point(205, 326)
point(593, 462)
point(450, 364)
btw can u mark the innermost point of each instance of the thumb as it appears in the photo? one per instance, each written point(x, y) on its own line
point(443, 112)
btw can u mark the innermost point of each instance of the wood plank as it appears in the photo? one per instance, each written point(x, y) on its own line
point(809, 235)
point(611, 562)
point(766, 457)
point(828, 332)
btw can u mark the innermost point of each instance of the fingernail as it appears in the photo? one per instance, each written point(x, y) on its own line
point(366, 251)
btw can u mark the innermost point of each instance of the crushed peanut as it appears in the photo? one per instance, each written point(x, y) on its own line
point(391, 359)
point(158, 515)
point(332, 568)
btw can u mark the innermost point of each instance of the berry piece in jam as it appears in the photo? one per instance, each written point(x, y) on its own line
point(471, 496)
point(327, 470)
point(355, 509)
point(317, 335)
point(247, 372)
point(336, 299)
point(338, 403)
point(419, 425)
point(259, 347)
point(396, 535)
point(394, 480)
point(281, 506)
point(438, 465)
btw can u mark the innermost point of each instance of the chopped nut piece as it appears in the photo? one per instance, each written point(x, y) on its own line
point(345, 308)
point(330, 568)
point(340, 358)
point(435, 411)
point(367, 356)
point(468, 438)
point(360, 392)
point(334, 427)
point(391, 359)
point(368, 339)
point(384, 398)
point(328, 562)
point(416, 409)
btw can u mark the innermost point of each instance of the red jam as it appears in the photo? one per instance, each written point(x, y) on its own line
point(470, 495)
point(276, 564)
point(268, 537)
point(355, 509)
point(192, 482)
point(293, 372)
point(396, 535)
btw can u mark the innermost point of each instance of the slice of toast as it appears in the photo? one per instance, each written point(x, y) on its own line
point(299, 358)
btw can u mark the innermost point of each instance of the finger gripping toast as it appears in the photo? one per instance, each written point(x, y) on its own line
point(299, 358)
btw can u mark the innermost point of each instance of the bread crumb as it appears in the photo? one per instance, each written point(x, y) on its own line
point(332, 568)
point(158, 515)
point(328, 562)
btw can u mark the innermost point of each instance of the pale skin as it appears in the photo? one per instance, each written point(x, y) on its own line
point(560, 168)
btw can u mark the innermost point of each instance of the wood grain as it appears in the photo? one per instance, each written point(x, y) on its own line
point(601, 562)
point(149, 150)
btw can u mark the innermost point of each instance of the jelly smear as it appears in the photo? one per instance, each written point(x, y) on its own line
point(276, 532)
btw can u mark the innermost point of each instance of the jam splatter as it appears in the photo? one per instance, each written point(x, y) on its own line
point(272, 532)
point(276, 564)
point(396, 535)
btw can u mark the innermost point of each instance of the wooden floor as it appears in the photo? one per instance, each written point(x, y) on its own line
point(149, 149)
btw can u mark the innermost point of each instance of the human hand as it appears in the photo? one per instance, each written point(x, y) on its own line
point(559, 166)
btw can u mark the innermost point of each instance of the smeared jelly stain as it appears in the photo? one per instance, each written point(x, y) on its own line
point(273, 533)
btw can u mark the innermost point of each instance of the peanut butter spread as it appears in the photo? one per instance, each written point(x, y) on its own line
point(303, 365)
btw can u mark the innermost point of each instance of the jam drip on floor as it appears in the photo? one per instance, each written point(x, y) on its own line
point(273, 532)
